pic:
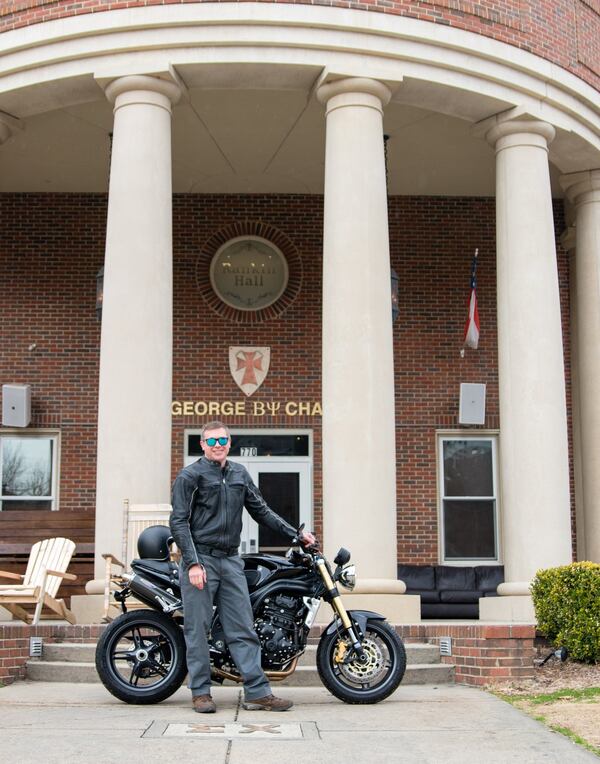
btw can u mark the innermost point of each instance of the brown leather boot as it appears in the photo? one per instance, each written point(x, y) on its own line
point(268, 703)
point(204, 704)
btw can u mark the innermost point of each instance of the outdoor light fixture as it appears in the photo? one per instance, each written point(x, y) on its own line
point(394, 287)
point(393, 274)
point(99, 292)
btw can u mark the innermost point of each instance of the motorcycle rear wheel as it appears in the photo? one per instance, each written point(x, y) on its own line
point(368, 682)
point(140, 657)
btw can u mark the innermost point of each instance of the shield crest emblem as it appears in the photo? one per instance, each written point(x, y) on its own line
point(249, 367)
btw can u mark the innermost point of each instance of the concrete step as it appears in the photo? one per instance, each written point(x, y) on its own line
point(416, 673)
point(415, 653)
point(61, 671)
point(304, 676)
point(72, 652)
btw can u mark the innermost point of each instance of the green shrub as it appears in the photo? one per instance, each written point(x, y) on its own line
point(567, 608)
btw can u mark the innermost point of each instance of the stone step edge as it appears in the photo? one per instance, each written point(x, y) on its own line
point(310, 646)
point(54, 652)
point(302, 669)
point(416, 646)
point(37, 662)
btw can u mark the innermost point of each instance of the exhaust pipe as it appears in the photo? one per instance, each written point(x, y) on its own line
point(152, 595)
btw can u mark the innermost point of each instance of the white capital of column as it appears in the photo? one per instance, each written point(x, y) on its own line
point(359, 478)
point(134, 407)
point(534, 473)
point(583, 189)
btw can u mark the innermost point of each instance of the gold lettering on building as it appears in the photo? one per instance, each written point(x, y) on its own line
point(246, 408)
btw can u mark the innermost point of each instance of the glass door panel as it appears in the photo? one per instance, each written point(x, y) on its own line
point(286, 487)
point(281, 490)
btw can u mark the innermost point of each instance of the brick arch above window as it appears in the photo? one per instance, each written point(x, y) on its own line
point(263, 231)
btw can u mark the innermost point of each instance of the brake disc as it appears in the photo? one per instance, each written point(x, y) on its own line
point(364, 670)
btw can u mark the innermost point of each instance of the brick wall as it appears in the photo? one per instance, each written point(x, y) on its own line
point(14, 644)
point(482, 653)
point(51, 247)
point(566, 32)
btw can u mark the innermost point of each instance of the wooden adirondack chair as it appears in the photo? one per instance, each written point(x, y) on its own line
point(47, 566)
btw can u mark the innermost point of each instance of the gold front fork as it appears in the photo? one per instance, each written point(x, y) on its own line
point(336, 601)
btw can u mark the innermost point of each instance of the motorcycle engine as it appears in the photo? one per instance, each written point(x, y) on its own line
point(279, 629)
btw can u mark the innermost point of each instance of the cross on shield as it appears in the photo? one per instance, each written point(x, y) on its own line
point(249, 367)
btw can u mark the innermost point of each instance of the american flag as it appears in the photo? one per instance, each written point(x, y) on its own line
point(471, 339)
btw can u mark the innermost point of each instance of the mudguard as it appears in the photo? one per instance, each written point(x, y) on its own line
point(360, 617)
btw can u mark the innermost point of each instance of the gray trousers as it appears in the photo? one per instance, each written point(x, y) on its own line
point(227, 588)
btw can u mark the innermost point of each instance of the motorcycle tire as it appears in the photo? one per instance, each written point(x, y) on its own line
point(140, 657)
point(369, 682)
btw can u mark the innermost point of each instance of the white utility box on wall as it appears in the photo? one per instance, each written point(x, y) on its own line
point(16, 405)
point(472, 404)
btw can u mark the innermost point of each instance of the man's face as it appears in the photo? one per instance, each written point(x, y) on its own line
point(216, 453)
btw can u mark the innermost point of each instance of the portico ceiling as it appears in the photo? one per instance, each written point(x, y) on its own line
point(249, 121)
point(247, 129)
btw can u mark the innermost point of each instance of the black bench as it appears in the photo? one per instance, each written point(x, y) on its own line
point(451, 591)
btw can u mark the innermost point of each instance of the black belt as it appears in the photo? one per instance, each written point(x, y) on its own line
point(214, 552)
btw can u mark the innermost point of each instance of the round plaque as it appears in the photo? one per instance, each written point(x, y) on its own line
point(249, 273)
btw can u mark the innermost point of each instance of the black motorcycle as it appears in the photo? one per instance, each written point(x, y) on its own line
point(140, 657)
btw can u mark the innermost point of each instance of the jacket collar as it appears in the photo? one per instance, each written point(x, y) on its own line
point(214, 465)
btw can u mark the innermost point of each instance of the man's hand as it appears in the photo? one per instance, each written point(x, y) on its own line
point(197, 576)
point(307, 539)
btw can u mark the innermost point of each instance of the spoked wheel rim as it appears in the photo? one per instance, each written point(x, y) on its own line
point(142, 656)
point(373, 670)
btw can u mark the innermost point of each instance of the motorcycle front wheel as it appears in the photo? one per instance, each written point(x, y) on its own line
point(140, 657)
point(369, 680)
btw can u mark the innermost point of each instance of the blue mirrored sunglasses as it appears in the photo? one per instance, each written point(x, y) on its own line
point(213, 441)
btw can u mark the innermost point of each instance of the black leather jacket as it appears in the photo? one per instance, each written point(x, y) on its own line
point(207, 508)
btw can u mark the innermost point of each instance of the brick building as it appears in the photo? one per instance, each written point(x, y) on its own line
point(224, 164)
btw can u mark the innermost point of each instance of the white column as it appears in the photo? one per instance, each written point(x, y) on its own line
point(534, 473)
point(134, 407)
point(568, 242)
point(583, 189)
point(359, 476)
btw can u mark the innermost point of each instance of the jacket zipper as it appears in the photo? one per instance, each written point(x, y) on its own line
point(223, 534)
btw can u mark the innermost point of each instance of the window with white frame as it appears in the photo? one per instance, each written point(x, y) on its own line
point(28, 470)
point(468, 498)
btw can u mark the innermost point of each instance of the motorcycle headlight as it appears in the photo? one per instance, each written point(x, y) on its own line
point(348, 576)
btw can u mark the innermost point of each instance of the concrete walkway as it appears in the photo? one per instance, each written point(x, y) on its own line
point(53, 722)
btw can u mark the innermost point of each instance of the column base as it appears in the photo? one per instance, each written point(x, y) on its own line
point(87, 608)
point(511, 609)
point(397, 608)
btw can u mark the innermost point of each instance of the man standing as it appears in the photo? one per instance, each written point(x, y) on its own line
point(206, 522)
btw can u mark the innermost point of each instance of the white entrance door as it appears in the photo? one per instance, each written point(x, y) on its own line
point(286, 487)
point(280, 463)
